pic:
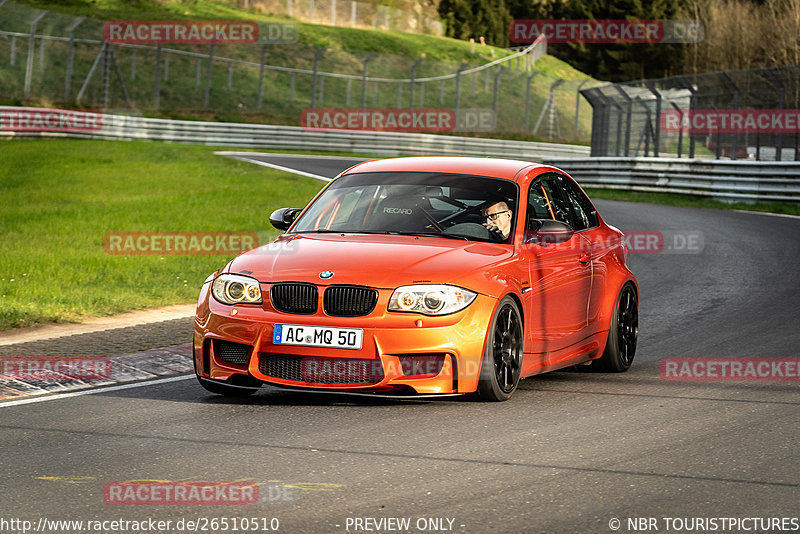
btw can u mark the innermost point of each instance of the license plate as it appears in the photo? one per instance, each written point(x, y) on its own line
point(318, 336)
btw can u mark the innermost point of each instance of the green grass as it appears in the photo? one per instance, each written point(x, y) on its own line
point(692, 201)
point(60, 197)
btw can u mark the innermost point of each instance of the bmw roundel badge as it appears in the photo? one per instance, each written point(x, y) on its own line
point(326, 274)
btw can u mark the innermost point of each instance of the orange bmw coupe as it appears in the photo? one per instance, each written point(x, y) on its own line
point(422, 276)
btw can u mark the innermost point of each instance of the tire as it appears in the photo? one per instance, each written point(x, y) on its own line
point(502, 359)
point(623, 334)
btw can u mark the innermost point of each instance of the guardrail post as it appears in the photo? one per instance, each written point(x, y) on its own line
point(70, 56)
point(413, 75)
point(317, 55)
point(31, 48)
point(364, 79)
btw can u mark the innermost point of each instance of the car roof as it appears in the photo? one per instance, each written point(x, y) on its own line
point(498, 167)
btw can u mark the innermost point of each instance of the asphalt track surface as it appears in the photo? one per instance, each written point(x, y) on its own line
point(570, 452)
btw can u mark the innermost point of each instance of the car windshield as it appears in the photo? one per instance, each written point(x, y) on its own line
point(411, 203)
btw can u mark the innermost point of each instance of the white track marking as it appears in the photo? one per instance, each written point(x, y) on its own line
point(92, 391)
point(768, 213)
point(273, 166)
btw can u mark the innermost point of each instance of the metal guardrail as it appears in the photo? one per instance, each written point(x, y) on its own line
point(122, 127)
point(747, 181)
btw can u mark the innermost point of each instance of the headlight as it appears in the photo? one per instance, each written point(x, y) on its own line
point(431, 299)
point(236, 289)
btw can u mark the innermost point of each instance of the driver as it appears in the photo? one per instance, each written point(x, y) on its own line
point(498, 219)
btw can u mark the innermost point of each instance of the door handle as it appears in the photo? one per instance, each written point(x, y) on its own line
point(584, 258)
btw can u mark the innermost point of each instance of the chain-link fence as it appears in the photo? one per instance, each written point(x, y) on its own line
point(749, 114)
point(64, 61)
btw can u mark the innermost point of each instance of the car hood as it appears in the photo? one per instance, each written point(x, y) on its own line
point(382, 261)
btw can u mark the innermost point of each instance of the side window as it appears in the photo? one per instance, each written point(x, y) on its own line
point(538, 204)
point(559, 207)
point(583, 212)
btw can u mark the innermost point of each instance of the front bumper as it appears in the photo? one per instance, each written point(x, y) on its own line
point(400, 351)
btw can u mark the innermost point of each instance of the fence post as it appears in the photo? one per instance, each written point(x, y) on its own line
point(41, 54)
point(230, 75)
point(310, 10)
point(348, 91)
point(528, 100)
point(441, 92)
point(157, 96)
point(463, 66)
point(364, 79)
point(106, 74)
point(578, 104)
point(70, 57)
point(207, 95)
point(289, 7)
point(317, 55)
point(13, 49)
point(133, 64)
point(413, 75)
point(261, 74)
point(31, 48)
point(422, 94)
point(657, 125)
point(291, 88)
point(494, 97)
point(353, 17)
point(166, 66)
point(781, 104)
point(734, 144)
point(333, 12)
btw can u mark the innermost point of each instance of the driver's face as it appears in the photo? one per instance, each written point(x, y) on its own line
point(498, 217)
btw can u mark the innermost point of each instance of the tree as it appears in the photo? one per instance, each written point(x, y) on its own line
point(475, 18)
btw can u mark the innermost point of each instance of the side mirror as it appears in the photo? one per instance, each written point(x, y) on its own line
point(283, 218)
point(550, 231)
